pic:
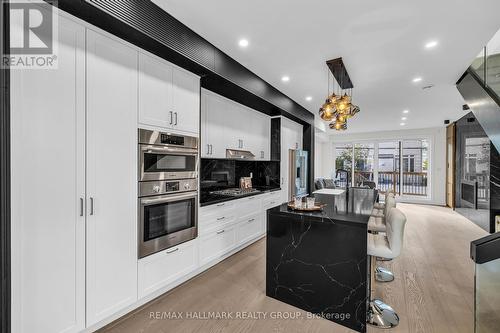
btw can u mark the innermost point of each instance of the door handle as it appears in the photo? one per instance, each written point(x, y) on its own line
point(175, 113)
point(91, 206)
point(81, 206)
point(171, 117)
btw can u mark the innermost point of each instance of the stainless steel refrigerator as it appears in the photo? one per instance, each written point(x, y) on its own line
point(297, 173)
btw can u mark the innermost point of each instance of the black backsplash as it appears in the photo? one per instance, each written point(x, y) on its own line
point(218, 174)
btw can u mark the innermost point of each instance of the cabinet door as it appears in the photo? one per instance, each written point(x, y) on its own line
point(219, 125)
point(260, 136)
point(186, 99)
point(155, 92)
point(111, 176)
point(48, 181)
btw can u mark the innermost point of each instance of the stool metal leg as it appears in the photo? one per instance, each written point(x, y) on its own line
point(382, 315)
point(383, 274)
point(379, 314)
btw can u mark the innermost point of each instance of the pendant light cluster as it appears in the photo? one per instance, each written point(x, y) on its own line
point(338, 107)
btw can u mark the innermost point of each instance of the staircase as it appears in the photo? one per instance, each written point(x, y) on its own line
point(480, 88)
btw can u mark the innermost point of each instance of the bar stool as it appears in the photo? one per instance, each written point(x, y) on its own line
point(386, 245)
point(379, 206)
point(376, 222)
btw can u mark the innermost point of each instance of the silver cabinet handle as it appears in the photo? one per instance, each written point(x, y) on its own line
point(220, 231)
point(91, 206)
point(272, 202)
point(251, 220)
point(175, 113)
point(208, 149)
point(211, 149)
point(220, 205)
point(282, 180)
point(172, 251)
point(221, 218)
point(81, 206)
point(171, 117)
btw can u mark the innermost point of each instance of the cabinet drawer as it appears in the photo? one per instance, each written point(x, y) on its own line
point(272, 200)
point(249, 227)
point(207, 223)
point(216, 208)
point(217, 243)
point(162, 268)
point(248, 205)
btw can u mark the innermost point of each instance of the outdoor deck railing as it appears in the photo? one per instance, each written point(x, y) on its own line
point(414, 183)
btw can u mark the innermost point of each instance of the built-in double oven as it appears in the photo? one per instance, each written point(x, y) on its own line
point(168, 190)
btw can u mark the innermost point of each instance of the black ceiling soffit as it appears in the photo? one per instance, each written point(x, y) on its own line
point(146, 25)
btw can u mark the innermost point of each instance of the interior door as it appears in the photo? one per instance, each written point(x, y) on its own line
point(48, 177)
point(111, 176)
point(450, 165)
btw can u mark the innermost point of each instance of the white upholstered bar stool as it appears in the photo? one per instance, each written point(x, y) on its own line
point(376, 222)
point(386, 245)
point(378, 207)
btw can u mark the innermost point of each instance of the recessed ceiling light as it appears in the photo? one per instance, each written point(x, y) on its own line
point(285, 79)
point(406, 111)
point(404, 118)
point(309, 98)
point(243, 43)
point(417, 79)
point(431, 44)
point(402, 124)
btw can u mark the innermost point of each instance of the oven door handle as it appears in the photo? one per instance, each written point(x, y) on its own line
point(163, 150)
point(170, 198)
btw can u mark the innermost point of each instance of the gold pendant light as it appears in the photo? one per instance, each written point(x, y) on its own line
point(338, 108)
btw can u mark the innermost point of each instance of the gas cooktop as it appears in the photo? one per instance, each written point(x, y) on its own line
point(235, 192)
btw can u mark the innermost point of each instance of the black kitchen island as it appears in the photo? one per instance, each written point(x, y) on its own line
point(318, 263)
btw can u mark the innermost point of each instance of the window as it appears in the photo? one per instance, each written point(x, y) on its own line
point(363, 163)
point(400, 166)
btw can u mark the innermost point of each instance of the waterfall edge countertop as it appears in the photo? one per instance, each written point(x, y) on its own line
point(317, 261)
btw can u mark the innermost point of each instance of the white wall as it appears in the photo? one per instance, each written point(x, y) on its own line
point(437, 139)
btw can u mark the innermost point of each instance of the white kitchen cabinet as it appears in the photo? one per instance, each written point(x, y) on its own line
point(162, 268)
point(48, 188)
point(291, 138)
point(111, 176)
point(186, 101)
point(169, 97)
point(249, 227)
point(217, 243)
point(155, 92)
point(230, 125)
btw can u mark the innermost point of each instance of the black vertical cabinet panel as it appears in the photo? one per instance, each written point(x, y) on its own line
point(5, 217)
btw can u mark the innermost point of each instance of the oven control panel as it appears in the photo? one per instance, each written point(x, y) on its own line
point(167, 187)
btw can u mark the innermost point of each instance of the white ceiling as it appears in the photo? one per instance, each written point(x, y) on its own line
point(381, 42)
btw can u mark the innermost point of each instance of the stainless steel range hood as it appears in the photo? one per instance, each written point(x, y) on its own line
point(239, 154)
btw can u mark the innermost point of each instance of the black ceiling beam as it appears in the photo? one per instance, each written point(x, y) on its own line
point(339, 71)
point(143, 23)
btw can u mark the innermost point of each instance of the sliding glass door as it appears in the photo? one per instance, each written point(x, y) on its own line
point(399, 166)
point(388, 166)
point(363, 163)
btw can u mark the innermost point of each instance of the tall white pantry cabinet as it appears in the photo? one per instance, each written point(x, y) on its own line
point(74, 185)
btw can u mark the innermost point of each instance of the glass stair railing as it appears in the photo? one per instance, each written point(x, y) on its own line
point(487, 65)
point(485, 252)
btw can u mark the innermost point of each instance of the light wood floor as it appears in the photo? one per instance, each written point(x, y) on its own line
point(432, 292)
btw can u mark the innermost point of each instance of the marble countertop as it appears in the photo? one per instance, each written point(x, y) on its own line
point(327, 215)
point(331, 191)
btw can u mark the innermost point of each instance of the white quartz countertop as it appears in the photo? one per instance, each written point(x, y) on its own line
point(331, 191)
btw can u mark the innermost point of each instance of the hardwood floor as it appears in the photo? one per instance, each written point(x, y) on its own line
point(432, 292)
